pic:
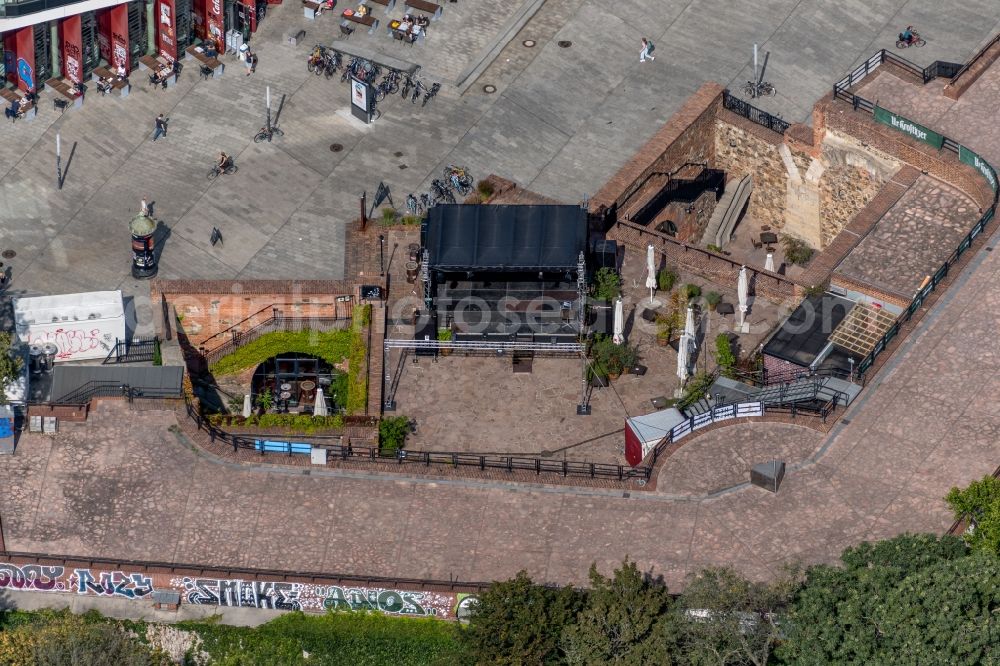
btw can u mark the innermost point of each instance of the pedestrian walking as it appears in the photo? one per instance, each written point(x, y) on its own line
point(251, 62)
point(647, 50)
point(161, 127)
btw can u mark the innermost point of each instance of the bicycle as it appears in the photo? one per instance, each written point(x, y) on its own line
point(388, 86)
point(426, 202)
point(459, 178)
point(417, 88)
point(761, 89)
point(413, 205)
point(431, 93)
point(216, 171)
point(442, 192)
point(916, 41)
point(267, 133)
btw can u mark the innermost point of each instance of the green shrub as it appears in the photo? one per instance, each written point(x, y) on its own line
point(692, 291)
point(410, 220)
point(607, 284)
point(265, 400)
point(485, 189)
point(300, 424)
point(444, 334)
point(157, 353)
point(796, 251)
point(696, 389)
point(666, 279)
point(389, 216)
point(392, 431)
point(713, 298)
point(357, 388)
point(611, 359)
point(715, 248)
point(724, 355)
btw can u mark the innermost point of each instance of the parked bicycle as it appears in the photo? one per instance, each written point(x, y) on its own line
point(409, 81)
point(755, 89)
point(413, 206)
point(388, 86)
point(431, 93)
point(267, 133)
point(441, 192)
point(459, 178)
point(426, 202)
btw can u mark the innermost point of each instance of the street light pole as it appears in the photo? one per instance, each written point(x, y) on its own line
point(381, 255)
point(269, 108)
point(59, 180)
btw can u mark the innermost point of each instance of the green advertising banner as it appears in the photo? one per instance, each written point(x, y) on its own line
point(918, 132)
point(979, 164)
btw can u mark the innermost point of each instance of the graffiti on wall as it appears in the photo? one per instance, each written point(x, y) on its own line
point(303, 596)
point(227, 592)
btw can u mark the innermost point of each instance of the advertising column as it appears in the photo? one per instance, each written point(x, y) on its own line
point(24, 46)
point(214, 24)
point(119, 37)
point(71, 39)
point(166, 29)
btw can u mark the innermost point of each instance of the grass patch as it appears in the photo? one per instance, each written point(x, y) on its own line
point(357, 370)
point(363, 639)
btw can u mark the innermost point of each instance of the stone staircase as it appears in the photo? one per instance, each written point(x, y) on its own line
point(727, 211)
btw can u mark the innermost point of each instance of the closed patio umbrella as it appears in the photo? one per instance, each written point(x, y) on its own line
point(320, 408)
point(247, 406)
point(742, 287)
point(683, 357)
point(769, 262)
point(651, 271)
point(618, 336)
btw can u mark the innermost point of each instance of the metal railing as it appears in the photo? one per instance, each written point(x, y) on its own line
point(964, 68)
point(753, 114)
point(841, 91)
point(112, 389)
point(134, 350)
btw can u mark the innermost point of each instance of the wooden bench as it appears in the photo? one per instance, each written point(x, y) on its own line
point(65, 89)
point(423, 6)
point(28, 111)
point(372, 23)
point(120, 86)
point(198, 53)
point(388, 4)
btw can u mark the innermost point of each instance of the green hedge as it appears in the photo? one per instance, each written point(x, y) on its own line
point(357, 381)
point(304, 424)
point(362, 639)
point(331, 346)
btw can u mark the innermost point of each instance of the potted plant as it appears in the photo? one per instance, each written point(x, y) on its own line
point(663, 330)
point(713, 298)
point(692, 291)
point(265, 401)
point(666, 279)
point(444, 335)
point(607, 284)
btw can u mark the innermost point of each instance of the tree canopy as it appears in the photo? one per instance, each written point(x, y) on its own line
point(980, 501)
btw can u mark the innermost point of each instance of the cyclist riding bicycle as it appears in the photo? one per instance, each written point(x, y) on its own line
point(225, 161)
point(907, 35)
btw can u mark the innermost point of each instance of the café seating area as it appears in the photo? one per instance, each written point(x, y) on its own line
point(411, 28)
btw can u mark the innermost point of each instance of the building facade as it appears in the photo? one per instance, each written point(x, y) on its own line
point(67, 39)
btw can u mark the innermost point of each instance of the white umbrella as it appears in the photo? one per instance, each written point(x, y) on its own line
point(619, 324)
point(769, 262)
point(651, 268)
point(683, 357)
point(247, 406)
point(320, 408)
point(689, 329)
point(741, 290)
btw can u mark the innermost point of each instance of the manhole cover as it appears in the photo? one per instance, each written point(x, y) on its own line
point(489, 89)
point(398, 153)
point(336, 147)
point(564, 44)
point(529, 43)
point(9, 254)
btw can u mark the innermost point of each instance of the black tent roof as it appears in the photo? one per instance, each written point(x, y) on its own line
point(505, 238)
point(806, 332)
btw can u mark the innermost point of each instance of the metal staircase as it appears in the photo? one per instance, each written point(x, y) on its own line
point(808, 392)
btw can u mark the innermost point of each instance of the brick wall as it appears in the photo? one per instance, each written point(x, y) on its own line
point(209, 307)
point(944, 165)
point(710, 265)
point(687, 137)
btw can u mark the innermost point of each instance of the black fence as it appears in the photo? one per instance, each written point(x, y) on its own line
point(112, 389)
point(753, 114)
point(841, 91)
point(134, 350)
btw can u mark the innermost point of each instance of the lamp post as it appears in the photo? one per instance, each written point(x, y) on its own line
point(381, 255)
point(59, 180)
point(269, 108)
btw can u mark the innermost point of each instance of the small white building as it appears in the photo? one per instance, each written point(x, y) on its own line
point(83, 326)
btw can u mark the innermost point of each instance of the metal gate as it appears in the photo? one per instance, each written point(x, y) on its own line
point(91, 48)
point(43, 54)
point(184, 25)
point(138, 41)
